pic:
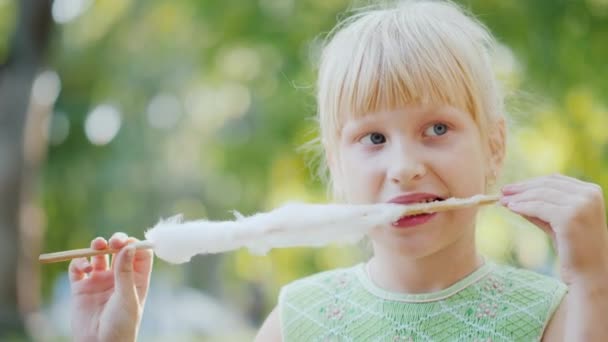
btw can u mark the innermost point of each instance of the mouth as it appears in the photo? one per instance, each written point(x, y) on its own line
point(413, 199)
point(429, 200)
point(416, 198)
point(413, 220)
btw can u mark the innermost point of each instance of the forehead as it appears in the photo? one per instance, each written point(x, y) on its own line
point(413, 113)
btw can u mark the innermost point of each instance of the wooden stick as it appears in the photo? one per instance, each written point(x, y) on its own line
point(85, 252)
point(450, 204)
point(411, 209)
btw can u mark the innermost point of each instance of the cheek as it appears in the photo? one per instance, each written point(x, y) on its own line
point(360, 177)
point(463, 167)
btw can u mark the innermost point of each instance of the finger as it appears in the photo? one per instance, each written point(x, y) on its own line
point(546, 227)
point(540, 182)
point(141, 254)
point(99, 262)
point(541, 210)
point(123, 272)
point(570, 179)
point(78, 269)
point(550, 195)
point(142, 266)
point(117, 241)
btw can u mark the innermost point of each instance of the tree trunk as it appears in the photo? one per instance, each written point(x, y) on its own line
point(16, 76)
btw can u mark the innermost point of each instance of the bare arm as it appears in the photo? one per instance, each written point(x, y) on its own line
point(581, 315)
point(555, 329)
point(587, 309)
point(271, 329)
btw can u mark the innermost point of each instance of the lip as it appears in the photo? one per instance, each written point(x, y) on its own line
point(417, 197)
point(411, 221)
point(414, 198)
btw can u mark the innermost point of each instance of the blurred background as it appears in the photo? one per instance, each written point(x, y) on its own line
point(115, 113)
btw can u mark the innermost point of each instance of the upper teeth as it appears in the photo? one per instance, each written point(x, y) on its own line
point(428, 200)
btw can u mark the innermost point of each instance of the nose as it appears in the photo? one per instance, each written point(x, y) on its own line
point(406, 165)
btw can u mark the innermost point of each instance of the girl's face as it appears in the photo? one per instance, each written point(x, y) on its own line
point(422, 151)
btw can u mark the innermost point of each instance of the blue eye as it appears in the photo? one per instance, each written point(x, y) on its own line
point(437, 129)
point(374, 138)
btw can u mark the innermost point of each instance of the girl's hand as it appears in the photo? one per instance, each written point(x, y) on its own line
point(108, 300)
point(572, 213)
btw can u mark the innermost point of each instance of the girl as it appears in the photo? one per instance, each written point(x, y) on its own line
point(409, 111)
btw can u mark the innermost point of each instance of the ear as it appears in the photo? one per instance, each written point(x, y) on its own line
point(497, 151)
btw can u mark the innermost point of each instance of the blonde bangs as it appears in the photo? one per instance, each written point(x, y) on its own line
point(416, 53)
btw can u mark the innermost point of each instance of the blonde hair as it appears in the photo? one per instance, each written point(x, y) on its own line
point(391, 55)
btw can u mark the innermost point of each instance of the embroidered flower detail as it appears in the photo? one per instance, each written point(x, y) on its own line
point(341, 281)
point(334, 312)
point(487, 310)
point(493, 285)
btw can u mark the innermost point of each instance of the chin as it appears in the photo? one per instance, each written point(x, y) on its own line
point(409, 245)
point(419, 242)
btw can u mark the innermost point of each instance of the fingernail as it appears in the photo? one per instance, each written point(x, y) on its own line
point(121, 236)
point(512, 205)
point(509, 190)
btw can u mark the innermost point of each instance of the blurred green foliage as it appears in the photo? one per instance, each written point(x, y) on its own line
point(214, 97)
point(8, 17)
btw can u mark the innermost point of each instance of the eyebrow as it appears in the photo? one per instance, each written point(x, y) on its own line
point(450, 112)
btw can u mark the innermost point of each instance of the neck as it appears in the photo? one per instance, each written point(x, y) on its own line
point(431, 273)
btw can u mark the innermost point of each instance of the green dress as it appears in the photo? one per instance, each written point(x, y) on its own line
point(494, 303)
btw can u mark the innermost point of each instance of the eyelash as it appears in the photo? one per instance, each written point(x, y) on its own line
point(447, 128)
point(370, 135)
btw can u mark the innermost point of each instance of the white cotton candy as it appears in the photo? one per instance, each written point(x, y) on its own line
point(294, 224)
point(291, 225)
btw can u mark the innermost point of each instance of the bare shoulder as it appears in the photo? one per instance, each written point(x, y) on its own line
point(555, 328)
point(271, 329)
